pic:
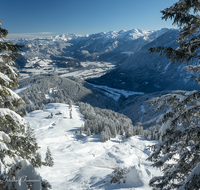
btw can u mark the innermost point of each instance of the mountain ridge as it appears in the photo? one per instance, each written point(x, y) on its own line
point(113, 46)
point(145, 72)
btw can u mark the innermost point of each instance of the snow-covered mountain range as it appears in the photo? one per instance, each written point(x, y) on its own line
point(147, 72)
point(123, 55)
point(105, 46)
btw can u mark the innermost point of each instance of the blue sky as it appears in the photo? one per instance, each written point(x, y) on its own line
point(39, 18)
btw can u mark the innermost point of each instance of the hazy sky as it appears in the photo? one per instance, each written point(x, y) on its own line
point(35, 18)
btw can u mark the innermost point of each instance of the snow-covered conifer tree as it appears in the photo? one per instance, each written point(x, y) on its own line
point(49, 159)
point(178, 154)
point(113, 131)
point(129, 131)
point(103, 136)
point(121, 130)
point(42, 107)
point(70, 114)
point(88, 132)
point(18, 144)
point(81, 130)
point(70, 104)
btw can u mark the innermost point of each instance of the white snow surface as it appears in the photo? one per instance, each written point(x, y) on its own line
point(5, 78)
point(82, 162)
point(17, 119)
point(22, 89)
point(90, 69)
point(141, 176)
point(27, 174)
point(116, 93)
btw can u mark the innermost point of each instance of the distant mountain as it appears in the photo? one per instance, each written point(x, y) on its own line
point(113, 46)
point(145, 72)
point(136, 69)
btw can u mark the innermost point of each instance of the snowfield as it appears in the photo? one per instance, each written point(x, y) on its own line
point(44, 66)
point(82, 162)
point(116, 93)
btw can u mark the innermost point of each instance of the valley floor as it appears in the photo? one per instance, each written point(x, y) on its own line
point(82, 162)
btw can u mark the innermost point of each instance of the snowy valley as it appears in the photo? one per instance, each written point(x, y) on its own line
point(87, 98)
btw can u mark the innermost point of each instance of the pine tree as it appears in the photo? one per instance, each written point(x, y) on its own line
point(18, 145)
point(81, 130)
point(88, 132)
point(70, 104)
point(49, 159)
point(121, 130)
point(180, 129)
point(43, 107)
point(70, 114)
point(103, 136)
point(129, 132)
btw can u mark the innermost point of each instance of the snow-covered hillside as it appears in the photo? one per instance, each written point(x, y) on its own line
point(83, 162)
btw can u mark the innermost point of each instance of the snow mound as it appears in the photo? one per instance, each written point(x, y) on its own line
point(137, 176)
point(26, 175)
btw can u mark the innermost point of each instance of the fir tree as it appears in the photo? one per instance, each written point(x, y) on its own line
point(70, 104)
point(70, 114)
point(180, 129)
point(81, 130)
point(43, 107)
point(129, 132)
point(121, 130)
point(88, 132)
point(103, 136)
point(18, 144)
point(49, 159)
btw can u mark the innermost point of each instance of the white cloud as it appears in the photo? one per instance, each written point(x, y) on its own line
point(28, 35)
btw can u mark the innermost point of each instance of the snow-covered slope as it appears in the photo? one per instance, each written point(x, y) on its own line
point(83, 162)
point(145, 72)
point(113, 46)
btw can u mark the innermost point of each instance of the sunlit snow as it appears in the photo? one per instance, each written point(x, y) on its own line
point(83, 162)
point(116, 93)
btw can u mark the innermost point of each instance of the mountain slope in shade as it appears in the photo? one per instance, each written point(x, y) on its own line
point(145, 72)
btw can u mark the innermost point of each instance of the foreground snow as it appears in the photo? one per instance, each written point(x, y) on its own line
point(83, 162)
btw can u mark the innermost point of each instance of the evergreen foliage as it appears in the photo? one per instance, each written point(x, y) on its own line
point(49, 159)
point(70, 104)
point(81, 130)
point(18, 144)
point(107, 122)
point(178, 153)
point(88, 132)
point(118, 175)
point(70, 113)
point(152, 133)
